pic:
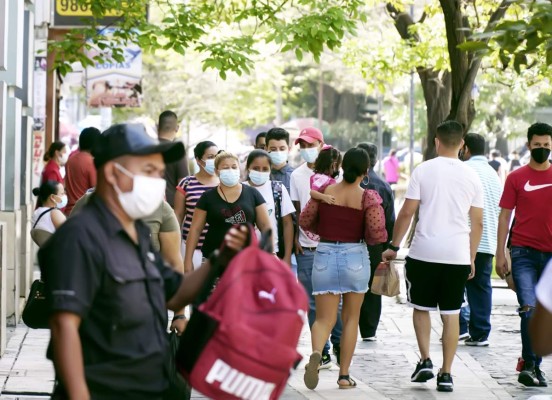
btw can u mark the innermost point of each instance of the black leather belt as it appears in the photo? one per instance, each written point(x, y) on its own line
point(309, 248)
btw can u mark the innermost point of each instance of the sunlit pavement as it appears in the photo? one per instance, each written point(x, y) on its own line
point(382, 369)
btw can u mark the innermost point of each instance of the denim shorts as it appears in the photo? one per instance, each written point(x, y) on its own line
point(340, 268)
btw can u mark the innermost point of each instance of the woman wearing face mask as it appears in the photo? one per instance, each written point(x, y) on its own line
point(49, 217)
point(228, 204)
point(55, 157)
point(190, 189)
point(278, 202)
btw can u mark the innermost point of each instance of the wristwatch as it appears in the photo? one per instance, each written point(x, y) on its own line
point(394, 248)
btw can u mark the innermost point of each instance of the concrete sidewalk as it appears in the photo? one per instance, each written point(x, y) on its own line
point(382, 369)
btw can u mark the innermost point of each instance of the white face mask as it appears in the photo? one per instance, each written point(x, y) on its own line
point(146, 196)
point(63, 202)
point(64, 157)
point(259, 178)
point(230, 177)
point(309, 155)
point(209, 166)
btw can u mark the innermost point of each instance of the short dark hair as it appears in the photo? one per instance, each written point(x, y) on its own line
point(259, 136)
point(201, 147)
point(326, 158)
point(166, 120)
point(256, 154)
point(475, 143)
point(496, 153)
point(356, 162)
point(372, 151)
point(88, 138)
point(277, 134)
point(538, 129)
point(450, 133)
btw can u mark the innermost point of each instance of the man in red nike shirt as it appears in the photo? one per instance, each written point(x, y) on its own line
point(528, 190)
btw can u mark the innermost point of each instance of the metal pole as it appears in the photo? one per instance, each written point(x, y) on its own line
point(380, 134)
point(411, 101)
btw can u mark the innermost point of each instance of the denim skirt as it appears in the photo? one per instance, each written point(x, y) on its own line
point(340, 268)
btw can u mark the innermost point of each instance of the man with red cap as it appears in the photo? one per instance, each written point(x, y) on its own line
point(310, 141)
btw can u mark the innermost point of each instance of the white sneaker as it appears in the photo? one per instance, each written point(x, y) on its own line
point(369, 339)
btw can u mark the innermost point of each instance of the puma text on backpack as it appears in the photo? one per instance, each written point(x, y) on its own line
point(241, 342)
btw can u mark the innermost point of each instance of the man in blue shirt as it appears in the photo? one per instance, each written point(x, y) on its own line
point(479, 288)
point(371, 307)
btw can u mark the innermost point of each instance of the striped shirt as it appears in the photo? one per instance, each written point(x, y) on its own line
point(192, 190)
point(492, 192)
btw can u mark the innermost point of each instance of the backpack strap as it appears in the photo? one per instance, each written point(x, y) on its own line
point(277, 194)
point(41, 215)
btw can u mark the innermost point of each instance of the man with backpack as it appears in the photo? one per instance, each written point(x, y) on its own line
point(108, 288)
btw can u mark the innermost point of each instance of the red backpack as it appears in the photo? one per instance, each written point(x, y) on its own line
point(241, 343)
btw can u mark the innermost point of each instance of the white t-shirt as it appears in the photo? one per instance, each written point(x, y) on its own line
point(544, 288)
point(447, 189)
point(300, 191)
point(45, 223)
point(287, 207)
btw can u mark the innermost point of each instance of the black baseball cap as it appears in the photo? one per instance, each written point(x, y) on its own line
point(132, 139)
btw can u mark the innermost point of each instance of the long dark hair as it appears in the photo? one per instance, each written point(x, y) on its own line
point(327, 156)
point(355, 163)
point(257, 153)
point(201, 148)
point(55, 146)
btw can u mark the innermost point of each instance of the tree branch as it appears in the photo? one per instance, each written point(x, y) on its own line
point(496, 16)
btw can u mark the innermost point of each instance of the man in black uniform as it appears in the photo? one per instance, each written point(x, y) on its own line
point(109, 289)
point(371, 307)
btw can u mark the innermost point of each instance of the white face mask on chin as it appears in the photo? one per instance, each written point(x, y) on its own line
point(146, 196)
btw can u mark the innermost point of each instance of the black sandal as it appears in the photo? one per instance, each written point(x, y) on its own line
point(351, 383)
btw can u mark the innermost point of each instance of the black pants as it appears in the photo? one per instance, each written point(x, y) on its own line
point(370, 311)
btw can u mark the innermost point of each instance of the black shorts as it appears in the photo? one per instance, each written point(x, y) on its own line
point(432, 285)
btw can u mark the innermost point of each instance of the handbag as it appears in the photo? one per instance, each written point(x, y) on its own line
point(386, 280)
point(179, 389)
point(36, 311)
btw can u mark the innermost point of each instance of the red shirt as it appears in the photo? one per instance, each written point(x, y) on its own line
point(51, 172)
point(80, 175)
point(529, 192)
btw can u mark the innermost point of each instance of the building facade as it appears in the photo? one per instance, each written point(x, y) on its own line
point(17, 53)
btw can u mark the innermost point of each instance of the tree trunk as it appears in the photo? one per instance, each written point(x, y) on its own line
point(437, 94)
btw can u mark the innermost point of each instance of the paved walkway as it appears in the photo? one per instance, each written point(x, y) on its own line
point(382, 369)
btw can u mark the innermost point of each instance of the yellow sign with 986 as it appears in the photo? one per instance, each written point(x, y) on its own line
point(74, 8)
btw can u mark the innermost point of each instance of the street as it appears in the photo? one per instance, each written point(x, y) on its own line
point(382, 369)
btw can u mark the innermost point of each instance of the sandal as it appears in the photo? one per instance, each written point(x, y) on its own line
point(311, 373)
point(350, 382)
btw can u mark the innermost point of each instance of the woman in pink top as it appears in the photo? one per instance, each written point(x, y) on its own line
point(341, 266)
point(391, 167)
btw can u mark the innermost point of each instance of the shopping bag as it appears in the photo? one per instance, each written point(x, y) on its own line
point(386, 280)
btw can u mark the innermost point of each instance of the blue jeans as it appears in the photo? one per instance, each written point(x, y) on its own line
point(527, 267)
point(305, 262)
point(480, 299)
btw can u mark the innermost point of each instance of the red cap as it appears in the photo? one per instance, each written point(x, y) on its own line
point(309, 135)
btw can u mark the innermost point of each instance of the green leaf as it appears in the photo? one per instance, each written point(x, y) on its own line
point(299, 54)
point(473, 46)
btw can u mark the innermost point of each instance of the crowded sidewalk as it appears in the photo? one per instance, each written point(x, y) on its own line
point(382, 368)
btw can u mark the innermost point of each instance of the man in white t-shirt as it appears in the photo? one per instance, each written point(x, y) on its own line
point(441, 256)
point(310, 141)
point(540, 326)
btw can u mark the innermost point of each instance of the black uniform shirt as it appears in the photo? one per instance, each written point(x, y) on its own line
point(388, 204)
point(93, 269)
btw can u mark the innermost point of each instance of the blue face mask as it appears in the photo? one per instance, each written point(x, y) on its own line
point(309, 155)
point(278, 157)
point(230, 177)
point(209, 166)
point(259, 178)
